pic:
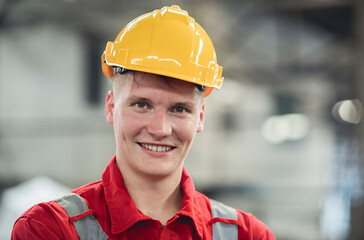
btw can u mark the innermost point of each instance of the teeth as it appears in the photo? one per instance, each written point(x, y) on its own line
point(156, 148)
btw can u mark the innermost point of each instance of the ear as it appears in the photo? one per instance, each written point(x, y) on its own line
point(202, 114)
point(109, 107)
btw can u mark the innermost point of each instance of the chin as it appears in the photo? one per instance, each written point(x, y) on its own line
point(158, 171)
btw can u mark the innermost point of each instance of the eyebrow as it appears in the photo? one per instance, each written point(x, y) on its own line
point(138, 99)
point(184, 104)
point(148, 100)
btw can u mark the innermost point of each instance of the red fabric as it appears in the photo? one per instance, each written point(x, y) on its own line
point(82, 215)
point(120, 219)
point(225, 220)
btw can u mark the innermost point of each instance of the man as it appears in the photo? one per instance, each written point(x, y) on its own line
point(162, 65)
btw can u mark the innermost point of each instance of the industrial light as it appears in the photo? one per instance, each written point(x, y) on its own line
point(348, 111)
point(288, 127)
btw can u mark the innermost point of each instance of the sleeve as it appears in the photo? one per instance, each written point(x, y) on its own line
point(267, 235)
point(253, 229)
point(44, 221)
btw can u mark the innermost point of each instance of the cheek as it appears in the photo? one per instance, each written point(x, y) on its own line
point(186, 130)
point(126, 124)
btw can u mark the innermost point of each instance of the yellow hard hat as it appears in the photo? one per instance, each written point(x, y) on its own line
point(165, 42)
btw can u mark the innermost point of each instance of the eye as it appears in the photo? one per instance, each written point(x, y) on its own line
point(180, 110)
point(141, 105)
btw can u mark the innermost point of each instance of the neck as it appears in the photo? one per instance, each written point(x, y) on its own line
point(159, 198)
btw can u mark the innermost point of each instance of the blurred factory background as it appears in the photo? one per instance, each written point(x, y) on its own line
point(283, 138)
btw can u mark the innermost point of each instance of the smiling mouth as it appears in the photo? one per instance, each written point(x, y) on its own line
point(156, 148)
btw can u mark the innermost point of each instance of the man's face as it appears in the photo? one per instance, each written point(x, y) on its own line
point(155, 121)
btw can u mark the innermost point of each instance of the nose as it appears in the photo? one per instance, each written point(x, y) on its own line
point(159, 125)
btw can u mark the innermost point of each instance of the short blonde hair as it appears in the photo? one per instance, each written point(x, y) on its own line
point(128, 77)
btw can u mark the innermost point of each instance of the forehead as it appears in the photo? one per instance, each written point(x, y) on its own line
point(140, 82)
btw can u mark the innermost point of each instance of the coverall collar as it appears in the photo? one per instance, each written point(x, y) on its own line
point(123, 211)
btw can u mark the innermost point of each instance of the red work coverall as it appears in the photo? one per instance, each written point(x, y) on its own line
point(112, 206)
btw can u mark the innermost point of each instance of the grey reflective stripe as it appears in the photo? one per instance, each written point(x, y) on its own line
point(222, 230)
point(88, 228)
